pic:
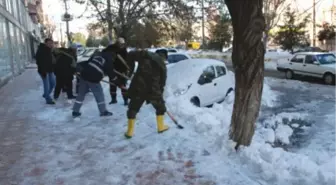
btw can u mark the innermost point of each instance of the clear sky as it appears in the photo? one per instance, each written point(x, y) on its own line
point(55, 8)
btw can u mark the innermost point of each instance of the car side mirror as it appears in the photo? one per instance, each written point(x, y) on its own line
point(316, 63)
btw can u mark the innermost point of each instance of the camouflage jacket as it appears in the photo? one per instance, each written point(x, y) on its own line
point(150, 78)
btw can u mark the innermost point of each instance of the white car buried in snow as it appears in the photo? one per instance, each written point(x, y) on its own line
point(202, 81)
point(314, 64)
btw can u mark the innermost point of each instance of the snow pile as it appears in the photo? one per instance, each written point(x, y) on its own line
point(214, 120)
point(261, 161)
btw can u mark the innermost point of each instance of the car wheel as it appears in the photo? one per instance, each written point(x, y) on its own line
point(195, 101)
point(289, 74)
point(329, 78)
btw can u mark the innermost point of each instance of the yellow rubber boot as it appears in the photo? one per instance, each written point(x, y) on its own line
point(160, 125)
point(130, 129)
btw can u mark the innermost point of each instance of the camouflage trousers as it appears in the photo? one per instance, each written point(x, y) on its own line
point(136, 103)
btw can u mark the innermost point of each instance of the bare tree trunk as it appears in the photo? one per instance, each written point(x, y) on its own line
point(109, 21)
point(248, 60)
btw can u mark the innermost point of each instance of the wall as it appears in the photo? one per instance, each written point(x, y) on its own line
point(15, 39)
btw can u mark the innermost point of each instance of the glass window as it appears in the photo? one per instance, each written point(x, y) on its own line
point(326, 58)
point(298, 59)
point(9, 6)
point(220, 71)
point(5, 67)
point(12, 34)
point(180, 57)
point(15, 8)
point(171, 59)
point(310, 59)
point(209, 72)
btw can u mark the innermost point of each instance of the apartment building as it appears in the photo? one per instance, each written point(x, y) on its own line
point(18, 33)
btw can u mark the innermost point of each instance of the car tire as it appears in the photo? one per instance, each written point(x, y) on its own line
point(329, 79)
point(289, 74)
point(195, 101)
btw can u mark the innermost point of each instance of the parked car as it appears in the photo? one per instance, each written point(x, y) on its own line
point(177, 57)
point(308, 49)
point(202, 81)
point(313, 64)
point(88, 53)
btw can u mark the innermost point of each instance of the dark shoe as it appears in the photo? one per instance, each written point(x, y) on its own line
point(106, 113)
point(51, 102)
point(113, 102)
point(71, 97)
point(76, 114)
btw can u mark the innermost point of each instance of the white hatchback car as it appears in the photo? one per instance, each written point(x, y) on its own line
point(314, 64)
point(202, 81)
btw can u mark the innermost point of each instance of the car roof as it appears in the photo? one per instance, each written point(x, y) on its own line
point(177, 53)
point(310, 53)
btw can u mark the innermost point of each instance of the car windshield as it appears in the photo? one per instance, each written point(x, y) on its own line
point(326, 58)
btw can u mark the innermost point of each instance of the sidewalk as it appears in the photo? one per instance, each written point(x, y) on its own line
point(14, 120)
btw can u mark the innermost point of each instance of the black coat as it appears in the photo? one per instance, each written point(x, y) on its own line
point(44, 59)
point(64, 66)
point(97, 67)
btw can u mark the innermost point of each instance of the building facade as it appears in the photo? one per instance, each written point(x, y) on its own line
point(18, 37)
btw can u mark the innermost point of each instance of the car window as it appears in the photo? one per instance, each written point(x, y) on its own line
point(310, 59)
point(298, 59)
point(172, 50)
point(209, 72)
point(171, 59)
point(180, 57)
point(326, 58)
point(220, 71)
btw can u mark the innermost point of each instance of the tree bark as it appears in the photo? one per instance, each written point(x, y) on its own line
point(248, 61)
point(109, 21)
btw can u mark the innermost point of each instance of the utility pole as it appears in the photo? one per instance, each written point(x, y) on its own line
point(203, 37)
point(68, 18)
point(109, 21)
point(61, 32)
point(314, 24)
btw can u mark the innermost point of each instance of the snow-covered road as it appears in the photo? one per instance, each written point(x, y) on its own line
point(58, 150)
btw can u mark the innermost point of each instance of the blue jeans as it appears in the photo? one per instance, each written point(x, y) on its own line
point(48, 85)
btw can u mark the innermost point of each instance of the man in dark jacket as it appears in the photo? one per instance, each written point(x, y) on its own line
point(45, 61)
point(147, 85)
point(64, 70)
point(122, 67)
point(92, 72)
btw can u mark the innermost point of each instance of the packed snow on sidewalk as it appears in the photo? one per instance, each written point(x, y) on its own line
point(59, 150)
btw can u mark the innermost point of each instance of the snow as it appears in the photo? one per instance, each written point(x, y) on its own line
point(271, 58)
point(94, 150)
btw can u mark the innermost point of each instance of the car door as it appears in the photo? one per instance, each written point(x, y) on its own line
point(296, 64)
point(223, 83)
point(207, 91)
point(311, 69)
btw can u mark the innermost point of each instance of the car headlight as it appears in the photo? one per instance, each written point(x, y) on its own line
point(182, 91)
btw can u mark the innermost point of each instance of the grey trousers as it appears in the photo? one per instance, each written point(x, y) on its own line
point(97, 90)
